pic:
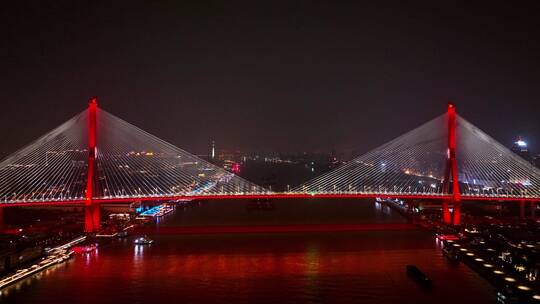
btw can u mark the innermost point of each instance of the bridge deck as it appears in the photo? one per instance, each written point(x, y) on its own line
point(266, 196)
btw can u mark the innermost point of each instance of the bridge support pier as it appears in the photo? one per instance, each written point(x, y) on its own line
point(88, 219)
point(96, 217)
point(457, 213)
point(446, 213)
point(92, 218)
point(533, 210)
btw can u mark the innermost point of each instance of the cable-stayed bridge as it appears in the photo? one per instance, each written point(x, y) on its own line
point(96, 157)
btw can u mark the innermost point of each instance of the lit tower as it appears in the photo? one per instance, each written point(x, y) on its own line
point(92, 212)
point(451, 181)
point(213, 152)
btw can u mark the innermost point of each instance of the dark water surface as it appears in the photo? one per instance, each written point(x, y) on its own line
point(344, 267)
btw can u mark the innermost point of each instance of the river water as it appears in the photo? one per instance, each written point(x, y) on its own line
point(334, 267)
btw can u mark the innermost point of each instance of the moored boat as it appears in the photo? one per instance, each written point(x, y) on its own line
point(144, 240)
point(451, 254)
point(419, 276)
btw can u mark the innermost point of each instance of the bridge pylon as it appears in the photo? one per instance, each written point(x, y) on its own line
point(451, 172)
point(92, 217)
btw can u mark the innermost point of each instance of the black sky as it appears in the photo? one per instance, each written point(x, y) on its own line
point(275, 75)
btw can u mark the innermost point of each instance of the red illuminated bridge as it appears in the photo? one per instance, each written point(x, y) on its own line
point(96, 157)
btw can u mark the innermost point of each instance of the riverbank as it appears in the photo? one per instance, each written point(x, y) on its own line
point(53, 256)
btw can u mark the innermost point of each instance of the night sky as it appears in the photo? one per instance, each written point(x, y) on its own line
point(275, 76)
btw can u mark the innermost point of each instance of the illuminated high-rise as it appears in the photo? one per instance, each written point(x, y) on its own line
point(521, 148)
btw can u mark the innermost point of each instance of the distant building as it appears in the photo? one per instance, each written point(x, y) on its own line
point(521, 148)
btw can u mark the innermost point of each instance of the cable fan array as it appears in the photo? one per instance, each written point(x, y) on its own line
point(132, 163)
point(51, 168)
point(415, 163)
point(412, 164)
point(488, 169)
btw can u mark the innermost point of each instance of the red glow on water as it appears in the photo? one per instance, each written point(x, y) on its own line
point(84, 249)
point(276, 228)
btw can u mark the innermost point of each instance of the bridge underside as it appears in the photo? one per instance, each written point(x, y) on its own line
point(92, 219)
